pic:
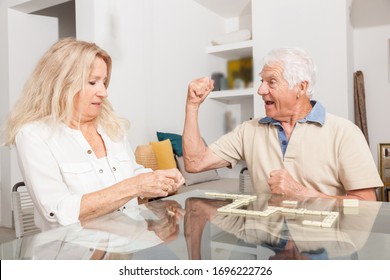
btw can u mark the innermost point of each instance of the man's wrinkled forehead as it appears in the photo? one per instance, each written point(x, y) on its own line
point(272, 69)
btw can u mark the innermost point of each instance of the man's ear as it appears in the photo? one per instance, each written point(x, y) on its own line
point(303, 86)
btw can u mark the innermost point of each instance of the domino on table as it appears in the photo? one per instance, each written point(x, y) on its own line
point(350, 202)
point(290, 202)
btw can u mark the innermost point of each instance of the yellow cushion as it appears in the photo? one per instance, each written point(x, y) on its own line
point(164, 154)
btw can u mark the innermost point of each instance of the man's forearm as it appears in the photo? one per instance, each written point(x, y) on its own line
point(193, 145)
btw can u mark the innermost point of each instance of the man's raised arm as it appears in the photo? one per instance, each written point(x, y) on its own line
point(197, 156)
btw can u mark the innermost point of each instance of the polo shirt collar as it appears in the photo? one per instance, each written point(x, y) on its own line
point(316, 114)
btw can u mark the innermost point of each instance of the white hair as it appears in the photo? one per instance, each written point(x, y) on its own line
point(48, 95)
point(297, 66)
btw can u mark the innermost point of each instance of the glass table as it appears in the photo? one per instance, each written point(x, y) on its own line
point(201, 225)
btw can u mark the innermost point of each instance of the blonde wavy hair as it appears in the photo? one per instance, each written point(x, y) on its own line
point(48, 94)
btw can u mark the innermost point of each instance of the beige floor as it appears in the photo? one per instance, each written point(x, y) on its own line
point(6, 234)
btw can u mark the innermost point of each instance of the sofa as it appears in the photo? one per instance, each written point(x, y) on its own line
point(167, 153)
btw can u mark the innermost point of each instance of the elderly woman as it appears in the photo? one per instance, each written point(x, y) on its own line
point(72, 148)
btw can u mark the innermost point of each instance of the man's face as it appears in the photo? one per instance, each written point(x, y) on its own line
point(279, 101)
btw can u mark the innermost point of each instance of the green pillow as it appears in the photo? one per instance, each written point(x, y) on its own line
point(175, 141)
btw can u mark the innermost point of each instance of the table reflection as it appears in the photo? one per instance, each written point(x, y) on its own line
point(188, 226)
point(283, 233)
point(113, 236)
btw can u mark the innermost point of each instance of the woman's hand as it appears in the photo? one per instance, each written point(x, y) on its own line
point(158, 183)
point(165, 208)
point(168, 212)
point(166, 228)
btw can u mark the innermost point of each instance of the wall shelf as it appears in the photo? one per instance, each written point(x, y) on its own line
point(234, 15)
point(232, 96)
point(232, 51)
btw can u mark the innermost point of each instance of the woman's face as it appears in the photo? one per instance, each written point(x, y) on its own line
point(89, 105)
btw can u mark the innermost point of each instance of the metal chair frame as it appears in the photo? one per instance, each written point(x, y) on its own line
point(23, 211)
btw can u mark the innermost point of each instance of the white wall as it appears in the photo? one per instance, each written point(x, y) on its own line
point(319, 27)
point(371, 22)
point(4, 100)
point(180, 37)
point(118, 28)
point(65, 15)
point(372, 58)
point(27, 37)
point(157, 48)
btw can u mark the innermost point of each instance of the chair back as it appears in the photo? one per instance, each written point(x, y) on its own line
point(245, 183)
point(23, 211)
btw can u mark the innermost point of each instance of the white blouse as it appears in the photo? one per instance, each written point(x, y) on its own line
point(59, 166)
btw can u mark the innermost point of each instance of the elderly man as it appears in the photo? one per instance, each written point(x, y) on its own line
point(297, 148)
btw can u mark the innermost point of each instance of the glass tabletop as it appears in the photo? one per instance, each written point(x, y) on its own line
point(212, 225)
